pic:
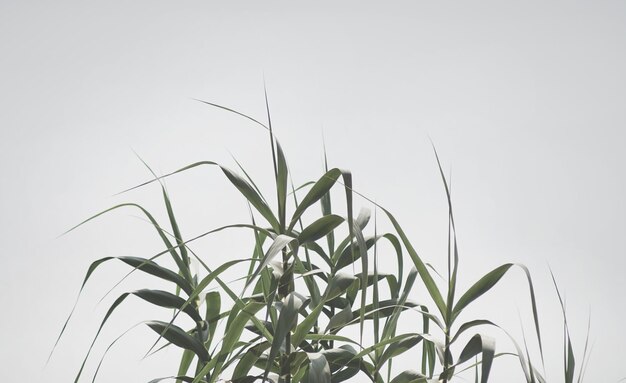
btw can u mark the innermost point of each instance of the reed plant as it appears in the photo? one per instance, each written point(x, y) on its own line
point(310, 285)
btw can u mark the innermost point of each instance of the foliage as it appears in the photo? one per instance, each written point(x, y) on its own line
point(274, 332)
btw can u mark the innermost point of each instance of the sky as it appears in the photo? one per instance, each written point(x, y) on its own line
point(524, 102)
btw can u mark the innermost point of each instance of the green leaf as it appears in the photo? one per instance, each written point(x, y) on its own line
point(338, 320)
point(338, 284)
point(326, 206)
point(320, 228)
point(432, 288)
point(360, 240)
point(160, 231)
point(280, 242)
point(153, 268)
point(235, 112)
point(479, 288)
point(213, 305)
point(409, 376)
point(385, 308)
point(317, 191)
point(384, 343)
point(179, 238)
point(341, 357)
point(179, 337)
point(238, 302)
point(292, 304)
point(109, 348)
point(467, 325)
point(248, 360)
point(569, 361)
point(180, 378)
point(398, 348)
point(390, 325)
point(183, 263)
point(213, 275)
point(231, 337)
point(153, 296)
point(252, 196)
point(281, 184)
point(452, 245)
point(319, 370)
point(185, 362)
point(487, 282)
point(306, 325)
point(168, 300)
point(480, 344)
point(146, 265)
point(244, 187)
point(347, 258)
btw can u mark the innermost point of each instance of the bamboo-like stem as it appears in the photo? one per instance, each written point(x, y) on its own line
point(446, 351)
point(285, 289)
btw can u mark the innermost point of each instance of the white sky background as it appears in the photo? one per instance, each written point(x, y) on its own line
point(524, 100)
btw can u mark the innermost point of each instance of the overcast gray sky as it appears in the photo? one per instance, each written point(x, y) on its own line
point(524, 100)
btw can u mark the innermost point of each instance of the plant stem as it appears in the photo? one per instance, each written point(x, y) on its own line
point(446, 352)
point(284, 290)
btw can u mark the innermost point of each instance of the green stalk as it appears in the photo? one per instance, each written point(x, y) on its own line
point(285, 289)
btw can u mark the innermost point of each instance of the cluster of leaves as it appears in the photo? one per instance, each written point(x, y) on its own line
point(272, 331)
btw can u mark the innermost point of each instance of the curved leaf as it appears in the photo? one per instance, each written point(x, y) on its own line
point(486, 283)
point(480, 344)
point(398, 348)
point(168, 300)
point(483, 285)
point(318, 371)
point(244, 187)
point(320, 228)
point(280, 242)
point(409, 376)
point(179, 337)
point(317, 191)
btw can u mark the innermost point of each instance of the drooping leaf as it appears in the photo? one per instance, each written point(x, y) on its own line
point(179, 337)
point(280, 242)
point(398, 348)
point(479, 344)
point(318, 371)
point(338, 284)
point(385, 308)
point(486, 283)
point(180, 378)
point(338, 320)
point(409, 376)
point(235, 112)
point(168, 300)
point(247, 190)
